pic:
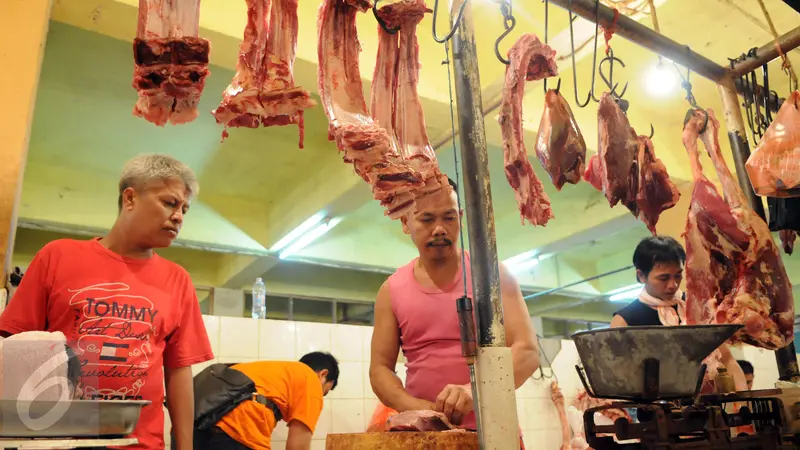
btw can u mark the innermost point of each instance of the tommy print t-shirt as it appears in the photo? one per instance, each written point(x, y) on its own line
point(126, 319)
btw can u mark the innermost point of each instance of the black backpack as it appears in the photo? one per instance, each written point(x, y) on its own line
point(218, 389)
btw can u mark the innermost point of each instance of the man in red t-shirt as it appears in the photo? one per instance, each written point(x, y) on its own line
point(132, 317)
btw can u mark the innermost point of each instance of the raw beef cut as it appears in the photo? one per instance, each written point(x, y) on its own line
point(529, 60)
point(170, 61)
point(655, 192)
point(626, 168)
point(559, 142)
point(774, 166)
point(558, 400)
point(419, 421)
point(389, 149)
point(263, 92)
point(734, 273)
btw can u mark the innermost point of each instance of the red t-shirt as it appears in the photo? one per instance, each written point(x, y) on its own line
point(125, 318)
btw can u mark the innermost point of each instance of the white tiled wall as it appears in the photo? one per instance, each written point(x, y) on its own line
point(349, 407)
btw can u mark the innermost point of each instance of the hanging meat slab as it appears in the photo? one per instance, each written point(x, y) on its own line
point(170, 61)
point(263, 91)
point(559, 143)
point(626, 168)
point(734, 273)
point(366, 144)
point(529, 60)
point(774, 165)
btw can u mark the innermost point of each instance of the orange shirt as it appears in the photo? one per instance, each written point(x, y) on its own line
point(293, 386)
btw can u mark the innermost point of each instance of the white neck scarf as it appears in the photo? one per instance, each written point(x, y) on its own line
point(666, 308)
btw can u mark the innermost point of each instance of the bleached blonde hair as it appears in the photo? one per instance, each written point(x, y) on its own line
point(145, 168)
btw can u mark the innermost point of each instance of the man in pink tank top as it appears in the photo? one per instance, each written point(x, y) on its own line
point(416, 310)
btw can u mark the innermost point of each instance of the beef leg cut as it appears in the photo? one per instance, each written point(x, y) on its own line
point(263, 91)
point(734, 273)
point(559, 142)
point(626, 168)
point(529, 60)
point(170, 61)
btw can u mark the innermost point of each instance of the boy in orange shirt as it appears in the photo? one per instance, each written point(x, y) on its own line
point(295, 390)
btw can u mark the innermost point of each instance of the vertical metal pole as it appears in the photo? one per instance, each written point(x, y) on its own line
point(786, 357)
point(494, 379)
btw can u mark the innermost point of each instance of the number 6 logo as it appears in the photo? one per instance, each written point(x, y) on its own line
point(35, 385)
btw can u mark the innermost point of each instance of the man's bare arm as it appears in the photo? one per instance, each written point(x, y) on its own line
point(734, 369)
point(299, 436)
point(520, 335)
point(180, 404)
point(385, 347)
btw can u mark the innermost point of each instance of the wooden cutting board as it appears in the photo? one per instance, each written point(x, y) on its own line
point(403, 440)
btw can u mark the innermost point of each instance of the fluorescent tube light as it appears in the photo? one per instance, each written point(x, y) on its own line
point(309, 237)
point(301, 229)
point(522, 261)
point(626, 293)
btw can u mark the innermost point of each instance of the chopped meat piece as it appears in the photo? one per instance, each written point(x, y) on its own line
point(530, 60)
point(170, 61)
point(626, 168)
point(787, 239)
point(774, 165)
point(734, 273)
point(583, 401)
point(559, 142)
point(419, 421)
point(263, 93)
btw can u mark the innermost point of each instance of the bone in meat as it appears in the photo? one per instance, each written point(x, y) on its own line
point(559, 142)
point(734, 273)
point(408, 116)
point(774, 165)
point(170, 61)
point(558, 400)
point(529, 59)
point(263, 91)
point(626, 168)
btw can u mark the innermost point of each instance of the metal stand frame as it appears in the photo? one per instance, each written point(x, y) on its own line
point(643, 36)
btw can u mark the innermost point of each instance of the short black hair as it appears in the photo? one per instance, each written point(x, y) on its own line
point(319, 361)
point(657, 249)
point(747, 368)
point(453, 184)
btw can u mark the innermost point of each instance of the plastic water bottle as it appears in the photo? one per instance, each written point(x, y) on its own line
point(259, 299)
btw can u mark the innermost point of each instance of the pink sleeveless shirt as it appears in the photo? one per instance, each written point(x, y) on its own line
point(429, 333)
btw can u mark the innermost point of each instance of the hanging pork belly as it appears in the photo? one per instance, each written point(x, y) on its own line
point(734, 272)
point(170, 61)
point(263, 91)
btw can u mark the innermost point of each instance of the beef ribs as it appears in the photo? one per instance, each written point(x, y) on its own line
point(170, 61)
point(419, 421)
point(263, 91)
point(559, 142)
point(389, 149)
point(626, 168)
point(774, 165)
point(529, 60)
point(734, 273)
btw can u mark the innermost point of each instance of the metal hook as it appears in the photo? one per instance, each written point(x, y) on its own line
point(690, 114)
point(381, 22)
point(652, 132)
point(590, 96)
point(510, 28)
point(558, 86)
point(455, 23)
point(611, 59)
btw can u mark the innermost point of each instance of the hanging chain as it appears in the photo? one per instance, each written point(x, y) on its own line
point(455, 164)
point(509, 22)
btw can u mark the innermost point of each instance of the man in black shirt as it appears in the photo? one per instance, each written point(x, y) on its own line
point(659, 264)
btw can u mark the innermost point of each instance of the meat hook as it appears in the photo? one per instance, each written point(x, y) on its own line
point(509, 22)
point(455, 23)
point(611, 59)
point(590, 96)
point(690, 114)
point(653, 131)
point(382, 23)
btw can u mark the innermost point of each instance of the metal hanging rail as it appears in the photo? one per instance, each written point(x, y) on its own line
point(643, 36)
